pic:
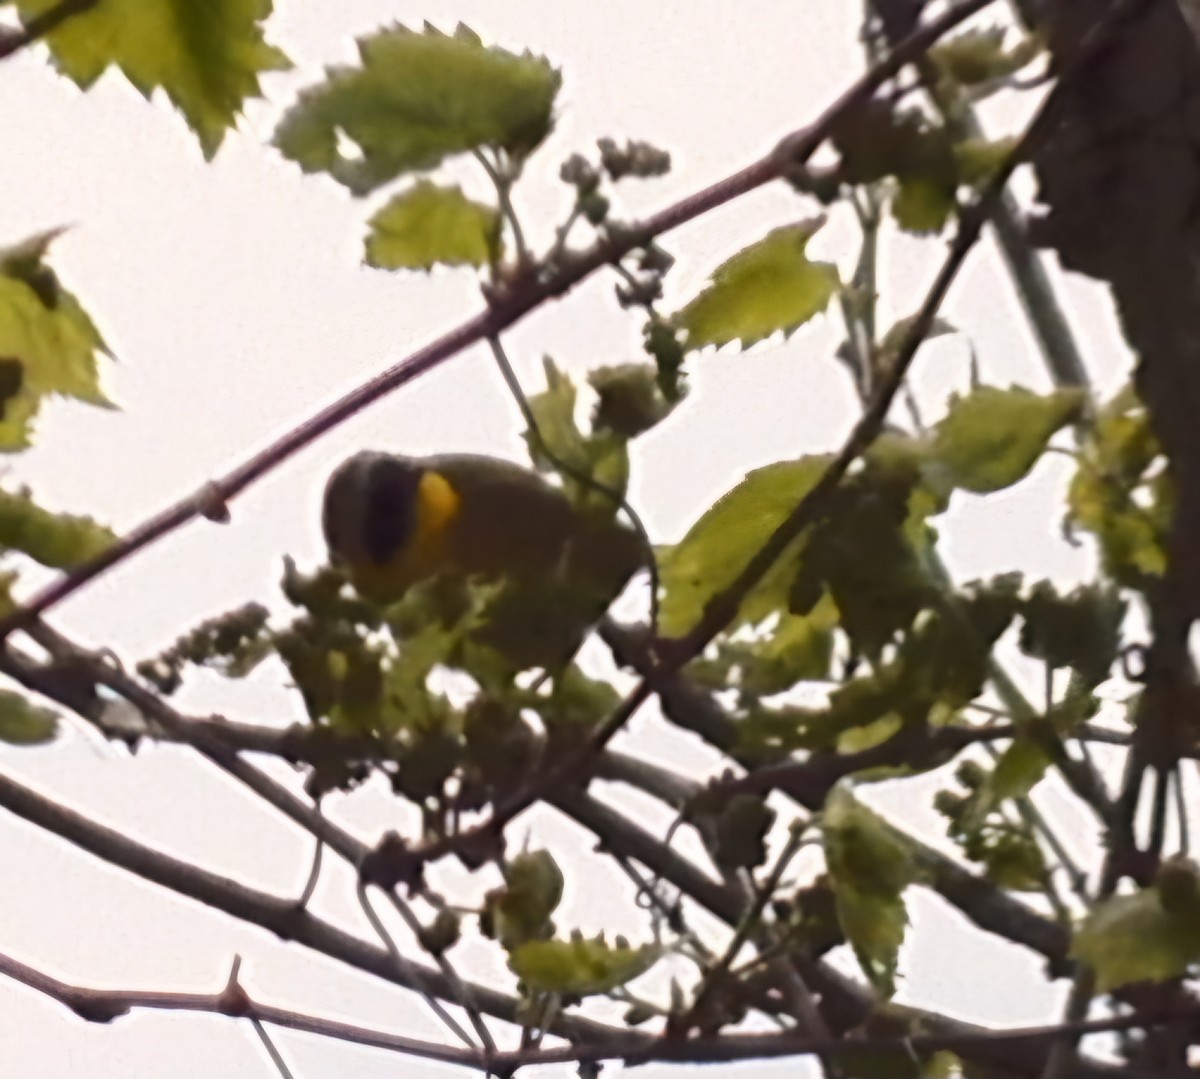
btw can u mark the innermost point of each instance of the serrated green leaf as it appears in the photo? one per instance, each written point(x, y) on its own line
point(1131, 938)
point(979, 55)
point(741, 832)
point(869, 867)
point(577, 699)
point(1081, 630)
point(922, 205)
point(429, 225)
point(629, 399)
point(876, 140)
point(23, 723)
point(718, 546)
point(978, 159)
point(604, 456)
point(795, 648)
point(416, 99)
point(520, 910)
point(1120, 495)
point(206, 57)
point(992, 438)
point(580, 967)
point(860, 555)
point(58, 540)
point(1020, 768)
point(768, 287)
point(48, 344)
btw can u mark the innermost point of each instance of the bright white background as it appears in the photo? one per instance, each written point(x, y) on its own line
point(235, 300)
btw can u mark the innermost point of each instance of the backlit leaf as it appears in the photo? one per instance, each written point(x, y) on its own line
point(602, 456)
point(629, 399)
point(206, 57)
point(1081, 630)
point(1133, 938)
point(520, 910)
point(427, 225)
point(725, 538)
point(980, 55)
point(767, 287)
point(48, 344)
point(992, 438)
point(23, 723)
point(922, 205)
point(869, 867)
point(58, 540)
point(1121, 494)
point(416, 99)
point(579, 967)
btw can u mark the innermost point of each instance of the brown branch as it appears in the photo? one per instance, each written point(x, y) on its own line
point(84, 671)
point(105, 1005)
point(279, 915)
point(507, 308)
point(41, 25)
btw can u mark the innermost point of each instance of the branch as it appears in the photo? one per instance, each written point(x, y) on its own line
point(41, 25)
point(281, 916)
point(1046, 318)
point(86, 671)
point(105, 1005)
point(507, 308)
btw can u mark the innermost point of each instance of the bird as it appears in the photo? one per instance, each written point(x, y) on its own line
point(391, 522)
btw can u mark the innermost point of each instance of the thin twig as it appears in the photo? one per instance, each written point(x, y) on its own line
point(207, 741)
point(279, 915)
point(406, 966)
point(272, 1051)
point(314, 873)
point(103, 1005)
point(503, 185)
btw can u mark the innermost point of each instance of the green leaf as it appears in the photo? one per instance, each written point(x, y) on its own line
point(992, 438)
point(978, 159)
point(979, 55)
point(869, 867)
point(741, 832)
point(603, 457)
point(206, 57)
point(875, 140)
point(579, 967)
point(48, 344)
point(718, 546)
point(58, 540)
point(427, 225)
point(861, 556)
point(1121, 496)
point(23, 723)
point(922, 205)
point(1132, 938)
point(629, 399)
point(795, 648)
point(1020, 768)
point(765, 288)
point(1081, 630)
point(416, 99)
point(520, 910)
point(577, 700)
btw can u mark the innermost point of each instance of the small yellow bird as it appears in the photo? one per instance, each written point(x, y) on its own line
point(392, 521)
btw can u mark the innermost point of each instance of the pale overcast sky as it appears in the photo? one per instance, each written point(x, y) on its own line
point(234, 297)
